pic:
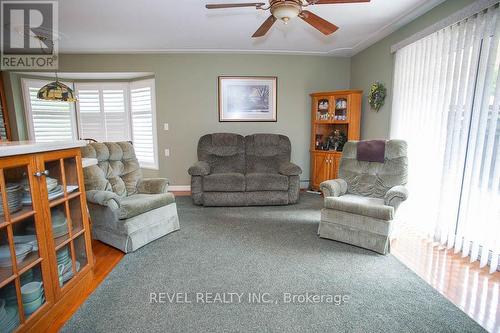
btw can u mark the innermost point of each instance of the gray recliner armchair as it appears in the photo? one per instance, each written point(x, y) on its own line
point(127, 211)
point(255, 170)
point(360, 205)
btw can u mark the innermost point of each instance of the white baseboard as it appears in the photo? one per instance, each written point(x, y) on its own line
point(179, 188)
point(304, 184)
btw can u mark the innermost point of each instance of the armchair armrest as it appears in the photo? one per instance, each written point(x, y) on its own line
point(290, 169)
point(395, 196)
point(152, 186)
point(333, 188)
point(104, 198)
point(200, 168)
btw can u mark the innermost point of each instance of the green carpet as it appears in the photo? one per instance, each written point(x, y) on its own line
point(274, 255)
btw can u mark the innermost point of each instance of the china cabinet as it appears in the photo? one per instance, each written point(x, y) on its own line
point(335, 118)
point(45, 245)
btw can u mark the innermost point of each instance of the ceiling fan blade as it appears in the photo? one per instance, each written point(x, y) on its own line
point(264, 28)
point(235, 5)
point(322, 25)
point(332, 2)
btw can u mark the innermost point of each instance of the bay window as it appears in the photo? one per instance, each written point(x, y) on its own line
point(105, 111)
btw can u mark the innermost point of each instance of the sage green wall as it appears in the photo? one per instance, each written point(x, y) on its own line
point(186, 86)
point(186, 95)
point(376, 63)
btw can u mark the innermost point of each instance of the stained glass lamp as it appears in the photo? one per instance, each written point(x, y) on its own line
point(56, 91)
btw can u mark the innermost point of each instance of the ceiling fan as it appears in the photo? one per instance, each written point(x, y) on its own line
point(285, 10)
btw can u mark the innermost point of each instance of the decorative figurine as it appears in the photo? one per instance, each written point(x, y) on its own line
point(338, 140)
point(319, 141)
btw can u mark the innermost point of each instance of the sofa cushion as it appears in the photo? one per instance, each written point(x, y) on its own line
point(265, 153)
point(224, 182)
point(266, 182)
point(137, 204)
point(366, 206)
point(224, 152)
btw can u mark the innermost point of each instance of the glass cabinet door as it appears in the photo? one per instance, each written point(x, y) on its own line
point(68, 217)
point(24, 265)
point(341, 108)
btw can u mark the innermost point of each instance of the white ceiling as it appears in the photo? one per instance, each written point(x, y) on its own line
point(135, 26)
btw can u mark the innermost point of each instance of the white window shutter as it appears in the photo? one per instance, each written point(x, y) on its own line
point(116, 117)
point(47, 120)
point(89, 114)
point(143, 115)
point(103, 111)
point(107, 111)
point(3, 128)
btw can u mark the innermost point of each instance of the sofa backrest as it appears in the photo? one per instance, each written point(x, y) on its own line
point(265, 152)
point(374, 179)
point(224, 152)
point(117, 170)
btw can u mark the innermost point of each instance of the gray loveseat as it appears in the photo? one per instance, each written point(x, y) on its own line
point(127, 211)
point(255, 170)
point(361, 204)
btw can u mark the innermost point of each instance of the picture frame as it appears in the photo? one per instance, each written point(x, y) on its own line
point(247, 98)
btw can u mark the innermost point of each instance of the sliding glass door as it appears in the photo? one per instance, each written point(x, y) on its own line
point(446, 105)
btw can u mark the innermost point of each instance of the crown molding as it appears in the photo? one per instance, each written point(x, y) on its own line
point(470, 10)
point(184, 51)
point(371, 39)
point(393, 26)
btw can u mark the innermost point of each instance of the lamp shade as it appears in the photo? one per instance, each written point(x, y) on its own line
point(286, 12)
point(56, 91)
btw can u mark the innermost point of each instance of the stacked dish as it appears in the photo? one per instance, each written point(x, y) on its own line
point(55, 190)
point(3, 313)
point(51, 184)
point(33, 296)
point(64, 265)
point(9, 295)
point(22, 250)
point(27, 277)
point(9, 318)
point(14, 198)
point(27, 239)
point(59, 223)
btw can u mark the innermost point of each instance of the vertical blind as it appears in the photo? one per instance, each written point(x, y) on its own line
point(446, 105)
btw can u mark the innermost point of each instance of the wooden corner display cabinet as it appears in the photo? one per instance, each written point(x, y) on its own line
point(46, 258)
point(335, 118)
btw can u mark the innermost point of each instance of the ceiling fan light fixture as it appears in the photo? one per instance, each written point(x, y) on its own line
point(285, 12)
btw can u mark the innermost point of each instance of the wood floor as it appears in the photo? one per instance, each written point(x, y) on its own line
point(472, 289)
point(106, 258)
point(469, 287)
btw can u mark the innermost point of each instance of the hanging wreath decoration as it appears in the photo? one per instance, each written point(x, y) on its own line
point(377, 96)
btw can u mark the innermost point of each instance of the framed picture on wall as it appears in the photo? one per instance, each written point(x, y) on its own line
point(247, 98)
